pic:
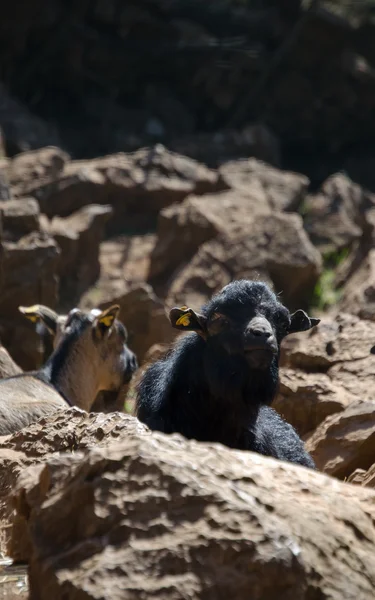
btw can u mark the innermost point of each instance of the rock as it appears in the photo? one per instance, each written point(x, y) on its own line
point(278, 249)
point(345, 441)
point(12, 464)
point(20, 217)
point(137, 185)
point(124, 263)
point(280, 190)
point(145, 318)
point(236, 524)
point(79, 237)
point(70, 429)
point(334, 217)
point(29, 170)
point(341, 348)
point(5, 193)
point(65, 431)
point(362, 477)
point(358, 294)
point(306, 399)
point(21, 129)
point(30, 276)
point(182, 228)
point(369, 477)
point(356, 477)
point(345, 339)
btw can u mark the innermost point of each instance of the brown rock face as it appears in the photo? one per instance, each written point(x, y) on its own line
point(254, 188)
point(183, 228)
point(127, 519)
point(362, 477)
point(30, 275)
point(137, 185)
point(327, 392)
point(271, 247)
point(345, 441)
point(29, 170)
point(306, 399)
point(340, 343)
point(64, 431)
point(124, 264)
point(358, 297)
point(20, 217)
point(79, 237)
point(279, 190)
point(335, 216)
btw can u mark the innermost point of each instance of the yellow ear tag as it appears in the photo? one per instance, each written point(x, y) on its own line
point(183, 320)
point(107, 321)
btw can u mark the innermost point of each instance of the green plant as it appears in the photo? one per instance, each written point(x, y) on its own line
point(326, 293)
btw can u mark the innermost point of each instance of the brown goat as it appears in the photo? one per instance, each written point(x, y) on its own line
point(91, 355)
point(50, 325)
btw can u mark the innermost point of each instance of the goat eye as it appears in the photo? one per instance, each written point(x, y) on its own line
point(220, 320)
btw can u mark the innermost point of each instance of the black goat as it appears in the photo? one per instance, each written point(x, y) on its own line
point(217, 386)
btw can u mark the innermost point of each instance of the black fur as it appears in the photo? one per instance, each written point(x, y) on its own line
point(207, 388)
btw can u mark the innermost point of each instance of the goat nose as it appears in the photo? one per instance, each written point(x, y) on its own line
point(259, 331)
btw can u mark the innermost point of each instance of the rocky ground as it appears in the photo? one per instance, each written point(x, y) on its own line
point(254, 159)
point(148, 230)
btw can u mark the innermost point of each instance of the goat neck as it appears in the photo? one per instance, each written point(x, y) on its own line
point(74, 373)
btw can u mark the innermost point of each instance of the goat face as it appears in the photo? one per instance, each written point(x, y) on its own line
point(245, 319)
point(98, 334)
point(103, 339)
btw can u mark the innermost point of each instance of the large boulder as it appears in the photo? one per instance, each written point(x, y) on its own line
point(253, 187)
point(137, 185)
point(335, 345)
point(327, 392)
point(363, 477)
point(65, 431)
point(345, 441)
point(124, 263)
point(279, 190)
point(30, 275)
point(335, 215)
point(358, 293)
point(20, 217)
point(28, 171)
point(306, 399)
point(183, 227)
point(273, 247)
point(155, 515)
point(79, 237)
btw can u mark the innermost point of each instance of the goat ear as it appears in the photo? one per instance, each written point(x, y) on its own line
point(300, 321)
point(40, 314)
point(106, 318)
point(186, 319)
